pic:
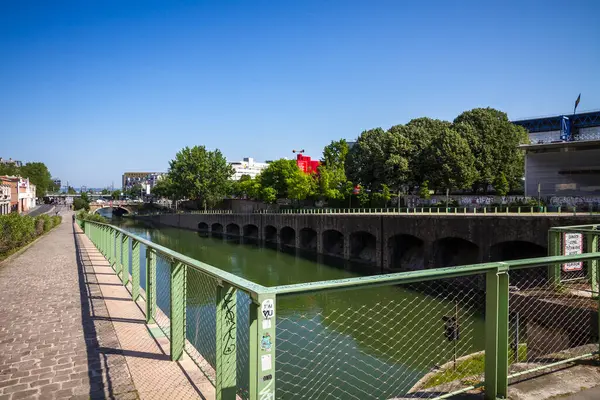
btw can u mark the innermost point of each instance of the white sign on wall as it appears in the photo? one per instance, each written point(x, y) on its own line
point(572, 244)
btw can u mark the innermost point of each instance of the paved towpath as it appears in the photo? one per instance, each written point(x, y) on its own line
point(59, 338)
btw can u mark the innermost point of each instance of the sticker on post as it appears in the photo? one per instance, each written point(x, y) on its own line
point(265, 342)
point(268, 308)
point(265, 362)
point(266, 324)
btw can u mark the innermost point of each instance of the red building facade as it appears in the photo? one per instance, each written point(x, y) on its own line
point(307, 165)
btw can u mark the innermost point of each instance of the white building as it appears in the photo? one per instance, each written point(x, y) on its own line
point(247, 167)
point(27, 199)
point(5, 196)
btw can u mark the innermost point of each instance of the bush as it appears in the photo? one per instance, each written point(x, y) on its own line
point(56, 220)
point(18, 230)
point(81, 204)
point(15, 231)
point(43, 223)
point(86, 216)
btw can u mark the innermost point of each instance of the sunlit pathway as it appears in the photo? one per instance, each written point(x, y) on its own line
point(61, 338)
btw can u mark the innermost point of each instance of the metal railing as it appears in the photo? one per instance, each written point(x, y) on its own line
point(431, 333)
point(390, 210)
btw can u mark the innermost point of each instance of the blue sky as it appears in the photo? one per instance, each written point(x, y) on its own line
point(95, 88)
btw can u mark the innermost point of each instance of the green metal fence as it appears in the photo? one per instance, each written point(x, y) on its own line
point(431, 333)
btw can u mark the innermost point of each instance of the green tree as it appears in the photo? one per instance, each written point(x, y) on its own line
point(501, 185)
point(163, 188)
point(71, 190)
point(105, 192)
point(301, 186)
point(85, 197)
point(424, 192)
point(494, 142)
point(378, 158)
point(80, 204)
point(279, 175)
point(116, 195)
point(200, 174)
point(38, 174)
point(268, 195)
point(450, 162)
point(134, 191)
point(419, 133)
point(332, 171)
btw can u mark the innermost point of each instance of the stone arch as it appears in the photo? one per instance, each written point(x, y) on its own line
point(232, 229)
point(452, 251)
point(203, 226)
point(308, 239)
point(251, 231)
point(270, 234)
point(516, 250)
point(406, 253)
point(287, 236)
point(363, 246)
point(333, 243)
point(216, 228)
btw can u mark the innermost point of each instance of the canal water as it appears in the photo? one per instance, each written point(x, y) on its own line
point(371, 343)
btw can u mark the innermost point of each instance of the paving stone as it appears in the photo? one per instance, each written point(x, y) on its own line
point(56, 328)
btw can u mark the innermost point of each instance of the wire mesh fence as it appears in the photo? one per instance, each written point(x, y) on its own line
point(201, 321)
point(395, 340)
point(163, 292)
point(381, 343)
point(549, 323)
point(243, 344)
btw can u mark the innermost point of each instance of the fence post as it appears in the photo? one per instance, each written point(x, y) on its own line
point(118, 253)
point(150, 285)
point(135, 269)
point(226, 342)
point(262, 347)
point(178, 307)
point(592, 247)
point(554, 249)
point(125, 260)
point(496, 333)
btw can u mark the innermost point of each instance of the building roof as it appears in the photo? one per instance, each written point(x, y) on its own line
point(552, 123)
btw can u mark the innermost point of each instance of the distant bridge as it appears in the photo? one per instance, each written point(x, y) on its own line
point(128, 207)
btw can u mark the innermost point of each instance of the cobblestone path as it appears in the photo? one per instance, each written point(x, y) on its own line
point(56, 337)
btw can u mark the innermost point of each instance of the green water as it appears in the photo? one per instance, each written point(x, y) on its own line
point(361, 344)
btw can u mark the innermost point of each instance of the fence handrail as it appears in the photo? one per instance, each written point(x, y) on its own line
point(426, 275)
point(254, 289)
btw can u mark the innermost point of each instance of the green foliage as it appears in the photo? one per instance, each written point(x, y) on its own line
point(449, 161)
point(379, 157)
point(116, 195)
point(43, 223)
point(163, 188)
point(268, 195)
point(81, 204)
point(199, 174)
point(474, 365)
point(70, 190)
point(494, 141)
point(85, 197)
point(134, 191)
point(279, 175)
point(86, 216)
point(501, 185)
point(37, 172)
point(105, 192)
point(17, 230)
point(424, 192)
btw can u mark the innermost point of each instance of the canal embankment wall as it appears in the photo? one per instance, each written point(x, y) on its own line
point(390, 242)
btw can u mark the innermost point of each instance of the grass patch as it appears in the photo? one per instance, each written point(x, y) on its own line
point(472, 366)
